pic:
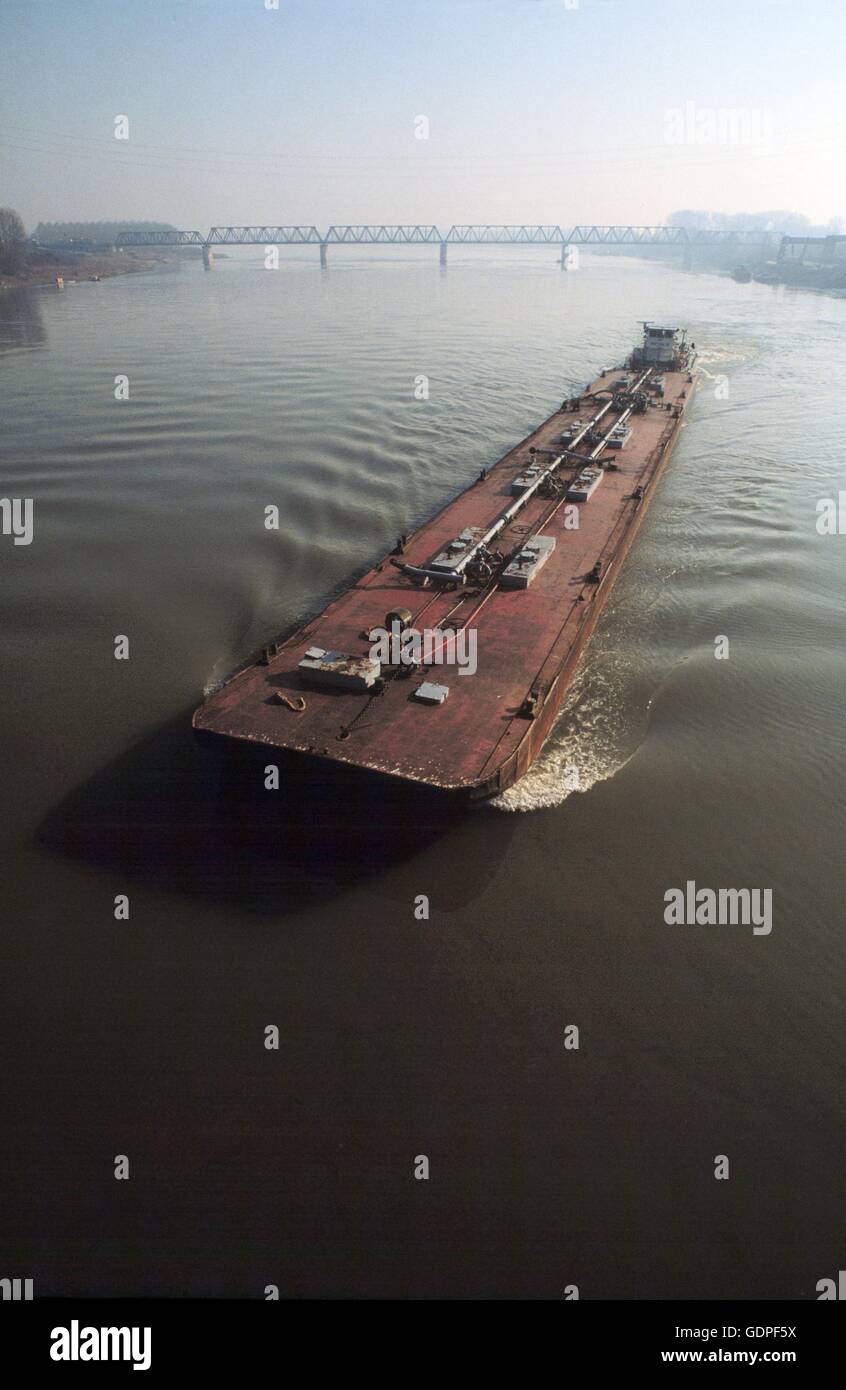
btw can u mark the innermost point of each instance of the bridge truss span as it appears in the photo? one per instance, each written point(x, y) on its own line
point(480, 234)
point(384, 234)
point(172, 238)
point(626, 236)
point(685, 239)
point(264, 236)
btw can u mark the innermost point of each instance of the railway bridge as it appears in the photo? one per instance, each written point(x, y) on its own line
point(686, 239)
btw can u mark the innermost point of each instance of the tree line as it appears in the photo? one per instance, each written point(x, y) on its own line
point(107, 233)
point(12, 237)
point(14, 242)
point(780, 221)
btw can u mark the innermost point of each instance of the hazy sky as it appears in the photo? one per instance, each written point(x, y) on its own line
point(537, 111)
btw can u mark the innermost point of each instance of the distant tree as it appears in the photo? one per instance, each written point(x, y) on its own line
point(779, 220)
point(96, 233)
point(12, 238)
point(690, 218)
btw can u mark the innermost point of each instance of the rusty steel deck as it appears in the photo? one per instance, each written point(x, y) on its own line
point(493, 723)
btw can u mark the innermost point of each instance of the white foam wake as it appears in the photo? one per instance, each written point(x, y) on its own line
point(594, 736)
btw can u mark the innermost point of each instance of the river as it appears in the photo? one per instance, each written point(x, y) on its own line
point(549, 1165)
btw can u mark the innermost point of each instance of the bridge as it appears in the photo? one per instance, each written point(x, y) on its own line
point(820, 250)
point(470, 234)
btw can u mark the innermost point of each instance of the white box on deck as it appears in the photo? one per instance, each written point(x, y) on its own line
point(585, 485)
point(338, 669)
point(528, 563)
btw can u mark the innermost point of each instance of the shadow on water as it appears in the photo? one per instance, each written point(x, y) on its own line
point(183, 816)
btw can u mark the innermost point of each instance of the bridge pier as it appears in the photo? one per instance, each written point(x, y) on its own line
point(324, 261)
point(443, 253)
point(687, 258)
point(208, 256)
point(564, 253)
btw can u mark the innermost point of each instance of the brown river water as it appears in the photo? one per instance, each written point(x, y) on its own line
point(549, 1165)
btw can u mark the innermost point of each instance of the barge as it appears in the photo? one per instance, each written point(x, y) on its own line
point(515, 570)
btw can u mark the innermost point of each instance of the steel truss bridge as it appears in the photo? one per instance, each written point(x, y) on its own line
point(821, 249)
point(471, 234)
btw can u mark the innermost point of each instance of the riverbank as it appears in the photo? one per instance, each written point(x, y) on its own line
point(42, 267)
point(824, 278)
point(828, 279)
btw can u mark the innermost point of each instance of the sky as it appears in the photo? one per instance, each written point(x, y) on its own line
point(435, 111)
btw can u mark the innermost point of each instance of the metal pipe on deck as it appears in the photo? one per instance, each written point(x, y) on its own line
point(604, 440)
point(456, 572)
point(517, 506)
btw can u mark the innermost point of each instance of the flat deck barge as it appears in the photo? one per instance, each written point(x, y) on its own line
point(521, 562)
